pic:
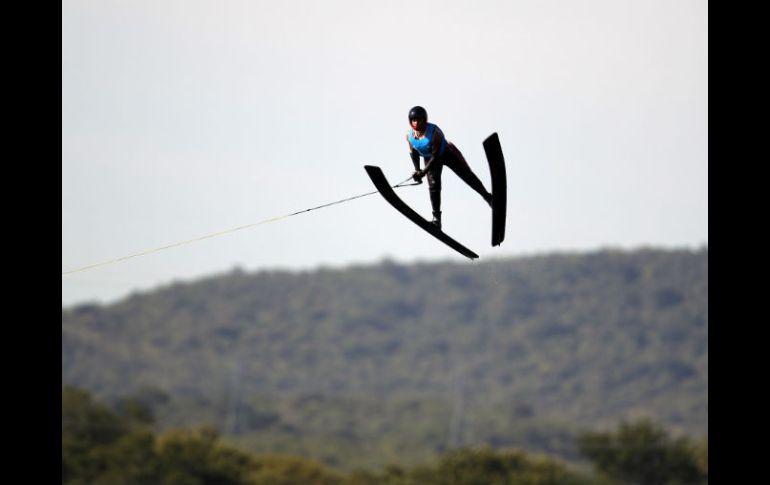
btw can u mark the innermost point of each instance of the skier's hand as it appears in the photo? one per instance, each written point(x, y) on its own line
point(418, 175)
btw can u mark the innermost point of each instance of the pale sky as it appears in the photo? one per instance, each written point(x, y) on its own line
point(186, 118)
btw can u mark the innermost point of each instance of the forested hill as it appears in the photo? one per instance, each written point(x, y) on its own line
point(584, 338)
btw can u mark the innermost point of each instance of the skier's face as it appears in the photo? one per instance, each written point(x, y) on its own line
point(418, 125)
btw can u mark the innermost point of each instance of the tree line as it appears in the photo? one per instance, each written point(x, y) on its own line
point(119, 444)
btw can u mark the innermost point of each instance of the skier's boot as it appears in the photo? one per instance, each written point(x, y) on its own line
point(437, 219)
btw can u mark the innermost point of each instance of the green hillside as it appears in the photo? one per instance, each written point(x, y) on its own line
point(395, 363)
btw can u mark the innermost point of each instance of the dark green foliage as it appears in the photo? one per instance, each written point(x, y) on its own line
point(131, 454)
point(488, 467)
point(101, 446)
point(479, 466)
point(363, 366)
point(644, 453)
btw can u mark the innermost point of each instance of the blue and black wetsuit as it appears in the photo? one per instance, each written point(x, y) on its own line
point(437, 152)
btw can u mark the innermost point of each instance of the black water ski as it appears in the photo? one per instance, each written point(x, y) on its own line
point(382, 184)
point(499, 187)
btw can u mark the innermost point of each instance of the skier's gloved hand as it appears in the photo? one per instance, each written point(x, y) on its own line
point(418, 175)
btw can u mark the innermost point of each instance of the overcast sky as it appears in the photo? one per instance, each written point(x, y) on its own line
point(186, 118)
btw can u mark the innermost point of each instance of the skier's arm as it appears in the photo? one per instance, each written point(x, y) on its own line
point(413, 155)
point(438, 139)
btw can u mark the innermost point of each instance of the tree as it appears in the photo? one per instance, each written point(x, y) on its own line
point(87, 427)
point(196, 457)
point(643, 453)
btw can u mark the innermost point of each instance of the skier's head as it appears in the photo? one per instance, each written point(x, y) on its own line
point(418, 117)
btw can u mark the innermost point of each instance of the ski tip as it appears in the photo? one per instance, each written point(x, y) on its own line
point(490, 138)
point(373, 171)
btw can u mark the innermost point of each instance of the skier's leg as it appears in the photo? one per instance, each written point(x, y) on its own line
point(455, 160)
point(434, 189)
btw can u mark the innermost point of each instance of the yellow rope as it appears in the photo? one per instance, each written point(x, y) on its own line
point(181, 243)
point(220, 233)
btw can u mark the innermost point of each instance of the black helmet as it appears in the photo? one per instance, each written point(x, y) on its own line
point(418, 113)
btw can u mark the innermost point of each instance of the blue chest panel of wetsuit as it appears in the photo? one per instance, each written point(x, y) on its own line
point(423, 145)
